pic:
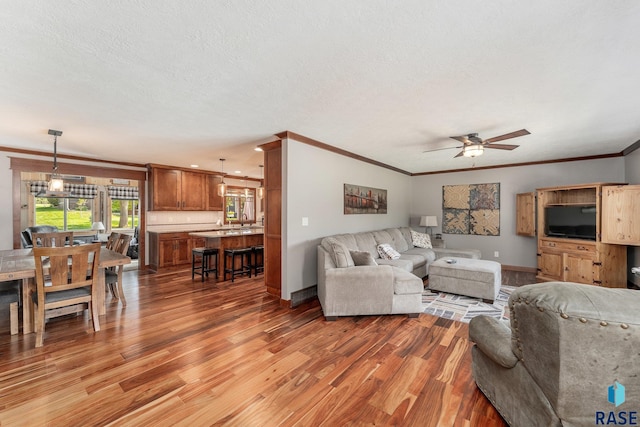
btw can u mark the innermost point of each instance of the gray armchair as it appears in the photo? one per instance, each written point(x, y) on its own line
point(26, 235)
point(567, 344)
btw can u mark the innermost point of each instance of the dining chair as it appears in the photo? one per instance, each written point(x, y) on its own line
point(65, 276)
point(113, 275)
point(111, 240)
point(54, 239)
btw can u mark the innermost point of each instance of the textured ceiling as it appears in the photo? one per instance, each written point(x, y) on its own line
point(178, 82)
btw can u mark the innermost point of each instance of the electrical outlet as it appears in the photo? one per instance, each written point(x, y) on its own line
point(305, 221)
point(496, 254)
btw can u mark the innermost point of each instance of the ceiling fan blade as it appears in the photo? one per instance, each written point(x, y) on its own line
point(460, 154)
point(440, 149)
point(501, 146)
point(463, 138)
point(521, 132)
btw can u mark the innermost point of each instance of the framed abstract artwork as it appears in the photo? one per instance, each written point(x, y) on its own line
point(359, 199)
point(471, 209)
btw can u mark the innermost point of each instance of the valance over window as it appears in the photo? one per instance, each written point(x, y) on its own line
point(123, 193)
point(78, 191)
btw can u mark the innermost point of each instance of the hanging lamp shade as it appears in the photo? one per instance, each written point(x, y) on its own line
point(261, 188)
point(56, 183)
point(222, 187)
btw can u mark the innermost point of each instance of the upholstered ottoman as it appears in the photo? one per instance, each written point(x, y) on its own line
point(464, 276)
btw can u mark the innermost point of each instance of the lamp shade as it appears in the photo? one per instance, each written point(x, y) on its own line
point(98, 226)
point(429, 221)
point(473, 150)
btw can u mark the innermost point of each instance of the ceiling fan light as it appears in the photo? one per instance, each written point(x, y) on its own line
point(473, 150)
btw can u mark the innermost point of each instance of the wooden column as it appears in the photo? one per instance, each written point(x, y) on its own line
point(273, 217)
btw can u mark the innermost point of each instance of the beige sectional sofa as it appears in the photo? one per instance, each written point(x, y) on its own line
point(387, 286)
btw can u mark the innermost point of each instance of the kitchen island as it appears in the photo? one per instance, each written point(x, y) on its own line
point(172, 248)
point(232, 238)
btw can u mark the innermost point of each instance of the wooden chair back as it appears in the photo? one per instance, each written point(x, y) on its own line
point(122, 244)
point(111, 241)
point(56, 239)
point(113, 275)
point(70, 273)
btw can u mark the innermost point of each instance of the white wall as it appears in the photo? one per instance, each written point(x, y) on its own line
point(513, 249)
point(314, 190)
point(632, 175)
point(6, 214)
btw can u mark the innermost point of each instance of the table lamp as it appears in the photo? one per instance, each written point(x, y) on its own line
point(98, 226)
point(429, 221)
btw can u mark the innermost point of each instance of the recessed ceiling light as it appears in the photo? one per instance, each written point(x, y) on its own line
point(258, 149)
point(195, 166)
point(238, 171)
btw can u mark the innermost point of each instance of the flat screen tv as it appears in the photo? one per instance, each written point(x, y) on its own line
point(571, 222)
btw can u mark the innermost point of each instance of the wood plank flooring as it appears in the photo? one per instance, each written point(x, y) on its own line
point(188, 353)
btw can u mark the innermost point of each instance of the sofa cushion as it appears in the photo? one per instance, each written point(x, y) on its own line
point(386, 251)
point(383, 237)
point(428, 254)
point(417, 260)
point(406, 283)
point(403, 264)
point(338, 251)
point(421, 240)
point(348, 240)
point(399, 242)
point(362, 258)
point(366, 242)
point(406, 233)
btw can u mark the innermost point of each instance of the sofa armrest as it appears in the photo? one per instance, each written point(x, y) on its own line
point(360, 290)
point(493, 338)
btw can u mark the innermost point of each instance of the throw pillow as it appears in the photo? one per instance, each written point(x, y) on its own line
point(339, 253)
point(387, 252)
point(421, 240)
point(362, 258)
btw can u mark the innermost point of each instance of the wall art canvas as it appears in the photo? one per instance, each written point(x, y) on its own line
point(359, 199)
point(471, 209)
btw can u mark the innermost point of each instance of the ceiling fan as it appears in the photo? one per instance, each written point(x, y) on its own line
point(473, 146)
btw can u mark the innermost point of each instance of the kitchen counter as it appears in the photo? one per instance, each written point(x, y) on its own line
point(212, 234)
point(230, 238)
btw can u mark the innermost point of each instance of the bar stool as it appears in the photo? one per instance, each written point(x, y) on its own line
point(245, 268)
point(205, 266)
point(258, 253)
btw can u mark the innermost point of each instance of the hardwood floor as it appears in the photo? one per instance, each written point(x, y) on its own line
point(190, 353)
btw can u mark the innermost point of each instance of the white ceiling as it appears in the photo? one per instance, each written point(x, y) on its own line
point(177, 82)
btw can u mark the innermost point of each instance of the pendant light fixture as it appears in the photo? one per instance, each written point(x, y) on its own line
point(222, 187)
point(56, 184)
point(246, 189)
point(261, 188)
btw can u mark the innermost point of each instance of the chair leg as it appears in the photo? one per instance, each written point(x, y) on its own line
point(120, 290)
point(13, 309)
point(93, 309)
point(39, 321)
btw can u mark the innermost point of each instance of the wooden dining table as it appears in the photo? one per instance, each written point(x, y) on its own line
point(19, 264)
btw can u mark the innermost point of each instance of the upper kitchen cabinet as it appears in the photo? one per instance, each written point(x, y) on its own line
point(176, 190)
point(214, 202)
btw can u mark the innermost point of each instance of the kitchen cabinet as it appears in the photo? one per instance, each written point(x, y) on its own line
point(213, 201)
point(171, 249)
point(176, 190)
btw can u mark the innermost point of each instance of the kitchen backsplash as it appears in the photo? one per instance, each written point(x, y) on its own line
point(192, 220)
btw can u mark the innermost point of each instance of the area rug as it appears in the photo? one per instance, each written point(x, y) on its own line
point(463, 308)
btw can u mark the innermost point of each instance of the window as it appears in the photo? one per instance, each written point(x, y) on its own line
point(239, 205)
point(125, 213)
point(66, 214)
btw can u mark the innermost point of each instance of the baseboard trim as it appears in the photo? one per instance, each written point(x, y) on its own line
point(303, 296)
point(519, 268)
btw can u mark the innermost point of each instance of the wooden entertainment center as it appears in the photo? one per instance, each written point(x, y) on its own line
point(577, 252)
